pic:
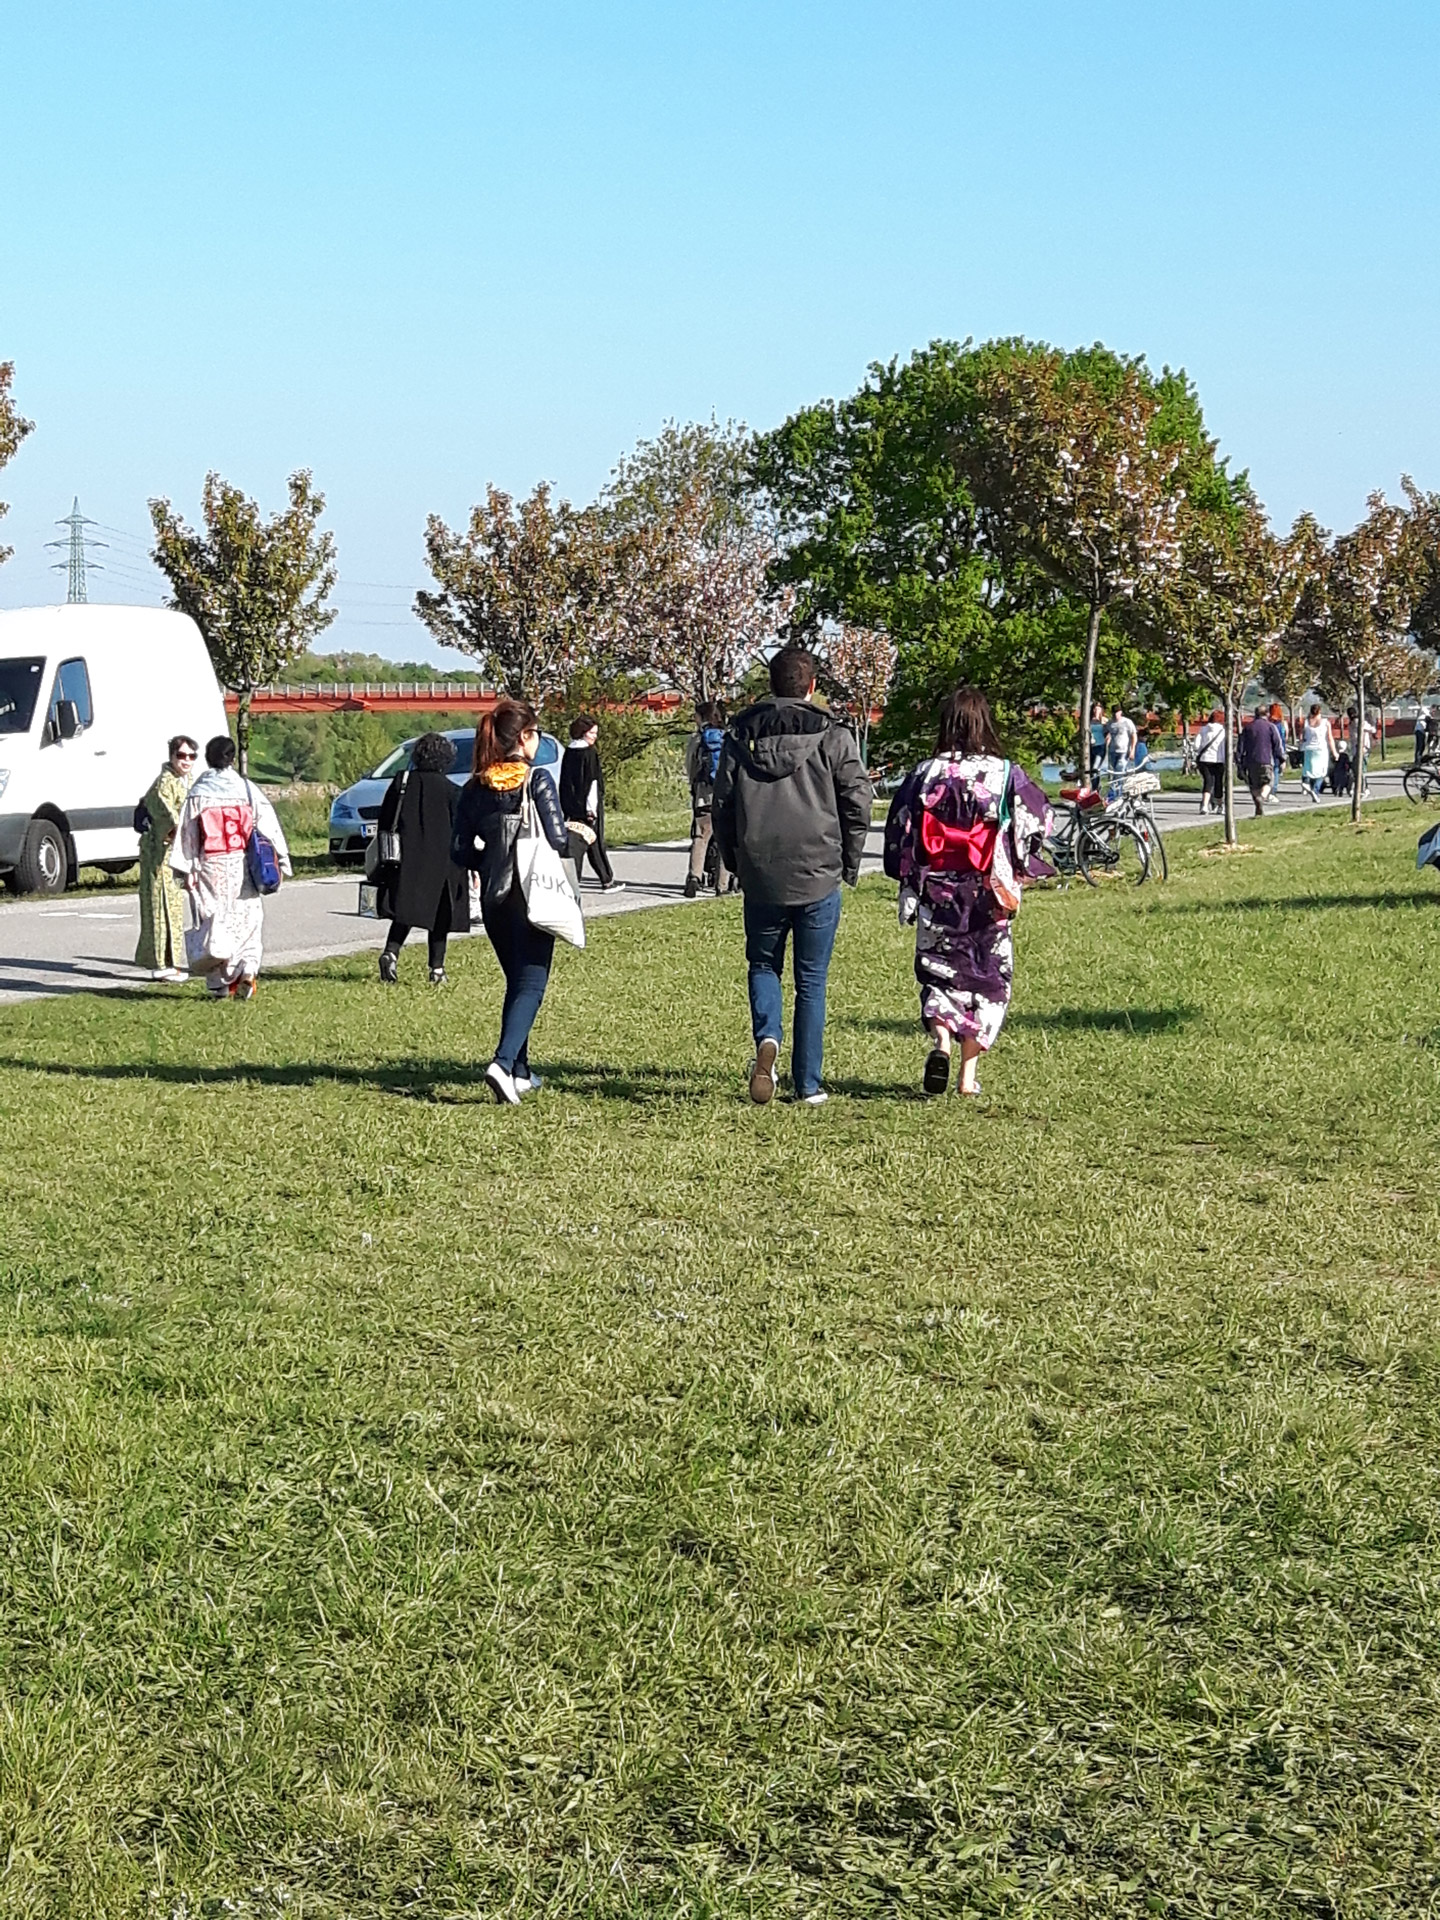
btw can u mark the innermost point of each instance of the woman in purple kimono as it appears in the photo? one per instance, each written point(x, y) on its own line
point(965, 829)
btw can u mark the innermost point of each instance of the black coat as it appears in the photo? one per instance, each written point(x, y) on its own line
point(427, 876)
point(579, 771)
point(487, 825)
point(792, 802)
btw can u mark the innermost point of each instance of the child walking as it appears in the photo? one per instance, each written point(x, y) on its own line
point(965, 829)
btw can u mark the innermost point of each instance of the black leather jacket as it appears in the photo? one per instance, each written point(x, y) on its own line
point(487, 825)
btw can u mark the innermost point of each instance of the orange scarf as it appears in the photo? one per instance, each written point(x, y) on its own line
point(506, 775)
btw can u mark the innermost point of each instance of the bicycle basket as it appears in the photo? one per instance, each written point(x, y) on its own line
point(1137, 783)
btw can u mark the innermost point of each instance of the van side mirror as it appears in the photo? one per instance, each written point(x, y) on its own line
point(67, 719)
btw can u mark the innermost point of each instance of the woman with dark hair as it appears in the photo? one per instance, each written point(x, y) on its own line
point(964, 832)
point(162, 905)
point(426, 889)
point(487, 825)
point(221, 811)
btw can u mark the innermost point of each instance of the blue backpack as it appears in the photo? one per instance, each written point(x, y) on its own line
point(712, 739)
point(262, 864)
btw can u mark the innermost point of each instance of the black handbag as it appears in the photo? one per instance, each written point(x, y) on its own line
point(384, 849)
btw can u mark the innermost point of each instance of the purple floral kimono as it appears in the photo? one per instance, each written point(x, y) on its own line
point(964, 952)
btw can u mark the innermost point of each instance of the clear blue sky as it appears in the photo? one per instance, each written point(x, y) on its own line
point(418, 247)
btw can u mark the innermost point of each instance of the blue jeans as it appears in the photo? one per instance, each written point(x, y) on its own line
point(767, 927)
point(524, 953)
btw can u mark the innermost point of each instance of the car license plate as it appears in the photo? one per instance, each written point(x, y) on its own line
point(367, 829)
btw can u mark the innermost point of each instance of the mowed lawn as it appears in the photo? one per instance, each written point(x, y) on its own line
point(643, 1504)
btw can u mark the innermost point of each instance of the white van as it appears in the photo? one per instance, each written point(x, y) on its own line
point(89, 697)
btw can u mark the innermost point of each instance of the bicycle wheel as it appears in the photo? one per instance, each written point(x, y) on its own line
point(1421, 783)
point(1154, 840)
point(1111, 849)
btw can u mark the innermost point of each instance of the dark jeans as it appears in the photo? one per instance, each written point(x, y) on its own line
point(525, 954)
point(767, 928)
point(399, 933)
point(1212, 780)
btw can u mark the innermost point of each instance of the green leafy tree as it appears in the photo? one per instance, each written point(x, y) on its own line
point(1075, 475)
point(891, 511)
point(521, 590)
point(255, 588)
point(297, 745)
point(13, 429)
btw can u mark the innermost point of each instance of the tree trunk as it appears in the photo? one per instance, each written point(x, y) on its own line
point(1382, 729)
point(1230, 834)
point(1087, 692)
point(242, 730)
point(1358, 753)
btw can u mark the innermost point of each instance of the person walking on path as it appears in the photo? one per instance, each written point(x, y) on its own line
point(582, 799)
point(1210, 758)
point(487, 826)
point(964, 831)
point(1422, 725)
point(791, 812)
point(161, 948)
point(702, 766)
point(426, 889)
point(221, 811)
point(1277, 720)
point(1120, 738)
point(1260, 745)
point(1318, 751)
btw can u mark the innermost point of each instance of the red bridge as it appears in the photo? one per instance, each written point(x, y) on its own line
point(414, 696)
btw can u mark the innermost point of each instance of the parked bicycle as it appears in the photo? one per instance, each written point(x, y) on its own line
point(1130, 798)
point(1091, 841)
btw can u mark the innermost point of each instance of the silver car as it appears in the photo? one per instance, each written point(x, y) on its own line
point(354, 812)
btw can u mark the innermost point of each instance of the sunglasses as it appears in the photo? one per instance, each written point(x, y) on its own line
point(182, 755)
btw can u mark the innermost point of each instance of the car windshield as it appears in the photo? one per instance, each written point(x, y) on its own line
point(19, 690)
point(399, 760)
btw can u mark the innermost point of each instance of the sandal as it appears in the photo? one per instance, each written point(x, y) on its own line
point(937, 1071)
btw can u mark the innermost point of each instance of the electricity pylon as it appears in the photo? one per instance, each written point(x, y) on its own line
point(78, 545)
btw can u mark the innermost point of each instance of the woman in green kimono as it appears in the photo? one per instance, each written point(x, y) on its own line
point(162, 904)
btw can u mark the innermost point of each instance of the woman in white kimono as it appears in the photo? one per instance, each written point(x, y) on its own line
point(209, 855)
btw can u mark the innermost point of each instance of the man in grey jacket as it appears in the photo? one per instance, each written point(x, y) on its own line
point(791, 811)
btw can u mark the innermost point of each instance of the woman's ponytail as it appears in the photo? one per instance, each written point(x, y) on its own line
point(497, 733)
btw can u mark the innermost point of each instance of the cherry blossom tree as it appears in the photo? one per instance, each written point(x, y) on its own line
point(523, 589)
point(1223, 615)
point(688, 595)
point(1372, 587)
point(1072, 475)
point(857, 665)
point(255, 588)
point(13, 429)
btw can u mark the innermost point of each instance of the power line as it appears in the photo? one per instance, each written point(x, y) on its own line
point(75, 562)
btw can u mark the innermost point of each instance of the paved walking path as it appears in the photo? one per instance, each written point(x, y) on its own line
point(83, 942)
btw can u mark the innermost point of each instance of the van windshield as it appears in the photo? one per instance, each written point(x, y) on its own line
point(19, 690)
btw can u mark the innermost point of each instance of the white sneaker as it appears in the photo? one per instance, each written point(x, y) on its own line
point(812, 1099)
point(528, 1083)
point(502, 1085)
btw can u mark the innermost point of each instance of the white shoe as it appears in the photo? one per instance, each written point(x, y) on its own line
point(167, 973)
point(812, 1099)
point(528, 1083)
point(502, 1085)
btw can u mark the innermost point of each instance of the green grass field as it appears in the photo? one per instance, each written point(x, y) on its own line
point(643, 1504)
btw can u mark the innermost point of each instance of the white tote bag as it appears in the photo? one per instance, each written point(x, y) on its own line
point(551, 903)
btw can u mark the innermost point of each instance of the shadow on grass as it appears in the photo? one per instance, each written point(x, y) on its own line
point(1108, 1019)
point(1307, 902)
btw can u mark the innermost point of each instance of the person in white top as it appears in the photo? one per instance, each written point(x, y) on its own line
point(1210, 758)
point(1317, 744)
point(1120, 738)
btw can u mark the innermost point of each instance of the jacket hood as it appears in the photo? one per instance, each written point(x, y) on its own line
point(776, 737)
